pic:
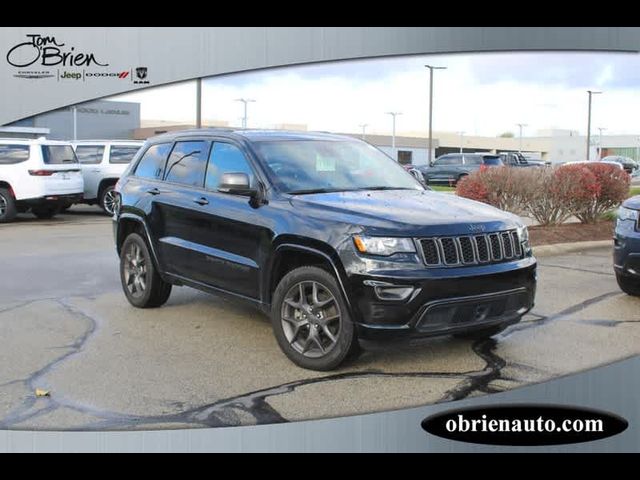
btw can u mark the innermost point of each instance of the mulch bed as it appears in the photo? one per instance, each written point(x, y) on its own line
point(570, 232)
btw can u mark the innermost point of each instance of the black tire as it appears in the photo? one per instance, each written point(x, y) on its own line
point(154, 292)
point(345, 346)
point(105, 202)
point(7, 206)
point(460, 177)
point(629, 285)
point(45, 212)
point(64, 208)
point(482, 333)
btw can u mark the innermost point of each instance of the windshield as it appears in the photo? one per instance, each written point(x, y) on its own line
point(314, 166)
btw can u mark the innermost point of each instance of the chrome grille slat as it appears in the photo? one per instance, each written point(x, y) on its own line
point(486, 248)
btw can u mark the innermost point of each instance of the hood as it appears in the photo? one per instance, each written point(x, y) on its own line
point(633, 202)
point(406, 211)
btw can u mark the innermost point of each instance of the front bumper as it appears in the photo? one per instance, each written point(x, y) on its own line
point(626, 251)
point(446, 304)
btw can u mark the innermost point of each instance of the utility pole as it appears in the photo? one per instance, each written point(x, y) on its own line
point(521, 126)
point(245, 101)
point(364, 126)
point(393, 134)
point(74, 109)
point(590, 92)
point(600, 129)
point(461, 140)
point(430, 146)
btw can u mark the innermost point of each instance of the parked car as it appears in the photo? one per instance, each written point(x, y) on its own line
point(450, 168)
point(102, 162)
point(324, 233)
point(517, 159)
point(582, 162)
point(630, 165)
point(38, 176)
point(626, 252)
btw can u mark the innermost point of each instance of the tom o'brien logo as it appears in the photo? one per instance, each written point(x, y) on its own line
point(45, 56)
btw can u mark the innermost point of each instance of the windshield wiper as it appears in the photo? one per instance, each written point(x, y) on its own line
point(316, 190)
point(386, 188)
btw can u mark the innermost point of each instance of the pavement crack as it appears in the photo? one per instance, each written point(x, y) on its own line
point(26, 411)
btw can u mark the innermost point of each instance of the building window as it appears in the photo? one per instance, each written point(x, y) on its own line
point(405, 157)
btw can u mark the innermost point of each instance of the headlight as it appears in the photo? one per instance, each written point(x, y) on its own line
point(523, 234)
point(628, 214)
point(383, 246)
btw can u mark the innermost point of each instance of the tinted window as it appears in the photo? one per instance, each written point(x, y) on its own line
point(492, 160)
point(187, 163)
point(473, 160)
point(449, 160)
point(122, 154)
point(13, 154)
point(58, 154)
point(89, 154)
point(151, 165)
point(226, 158)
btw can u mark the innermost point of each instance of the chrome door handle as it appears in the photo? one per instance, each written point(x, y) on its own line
point(154, 191)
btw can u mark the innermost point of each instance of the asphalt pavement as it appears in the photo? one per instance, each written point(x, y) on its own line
point(203, 360)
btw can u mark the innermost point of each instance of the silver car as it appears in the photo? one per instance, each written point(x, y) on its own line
point(102, 162)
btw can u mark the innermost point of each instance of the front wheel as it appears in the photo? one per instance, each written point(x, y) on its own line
point(628, 285)
point(141, 282)
point(311, 321)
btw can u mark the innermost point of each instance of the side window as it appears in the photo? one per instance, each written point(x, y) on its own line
point(187, 163)
point(122, 154)
point(152, 163)
point(226, 158)
point(89, 154)
point(10, 154)
point(472, 160)
point(449, 160)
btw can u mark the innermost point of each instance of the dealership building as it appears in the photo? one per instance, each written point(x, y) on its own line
point(121, 120)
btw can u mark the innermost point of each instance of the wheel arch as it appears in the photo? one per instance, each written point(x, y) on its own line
point(128, 223)
point(104, 183)
point(289, 255)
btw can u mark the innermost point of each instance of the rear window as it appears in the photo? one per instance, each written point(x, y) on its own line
point(10, 154)
point(492, 160)
point(122, 154)
point(89, 154)
point(58, 154)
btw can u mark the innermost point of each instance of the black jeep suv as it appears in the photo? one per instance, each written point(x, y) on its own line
point(326, 234)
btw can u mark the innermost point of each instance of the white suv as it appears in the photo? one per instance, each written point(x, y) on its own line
point(38, 175)
point(102, 162)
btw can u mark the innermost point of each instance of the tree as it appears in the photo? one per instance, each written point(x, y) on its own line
point(507, 135)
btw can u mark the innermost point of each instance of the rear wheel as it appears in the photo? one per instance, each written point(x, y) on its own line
point(45, 212)
point(109, 200)
point(628, 285)
point(311, 321)
point(141, 282)
point(7, 206)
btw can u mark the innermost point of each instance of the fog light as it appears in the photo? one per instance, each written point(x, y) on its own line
point(389, 291)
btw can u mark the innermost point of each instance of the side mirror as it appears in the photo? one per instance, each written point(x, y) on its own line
point(236, 183)
point(417, 174)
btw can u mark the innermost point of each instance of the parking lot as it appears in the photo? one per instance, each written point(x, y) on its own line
point(202, 360)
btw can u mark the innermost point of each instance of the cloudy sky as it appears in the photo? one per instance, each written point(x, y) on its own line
point(483, 94)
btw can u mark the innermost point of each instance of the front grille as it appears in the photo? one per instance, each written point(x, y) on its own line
point(471, 250)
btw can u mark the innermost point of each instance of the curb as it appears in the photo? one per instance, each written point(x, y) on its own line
point(562, 248)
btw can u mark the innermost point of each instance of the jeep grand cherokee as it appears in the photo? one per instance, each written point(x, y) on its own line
point(326, 234)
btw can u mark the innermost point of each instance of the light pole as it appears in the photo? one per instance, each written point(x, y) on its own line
point(600, 129)
point(364, 126)
point(75, 122)
point(245, 101)
point(521, 126)
point(393, 134)
point(430, 148)
point(461, 140)
point(199, 103)
point(590, 92)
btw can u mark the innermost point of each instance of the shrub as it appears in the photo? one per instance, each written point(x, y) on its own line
point(550, 195)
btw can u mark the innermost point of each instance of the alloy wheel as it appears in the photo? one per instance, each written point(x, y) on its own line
point(311, 319)
point(110, 202)
point(3, 205)
point(135, 270)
